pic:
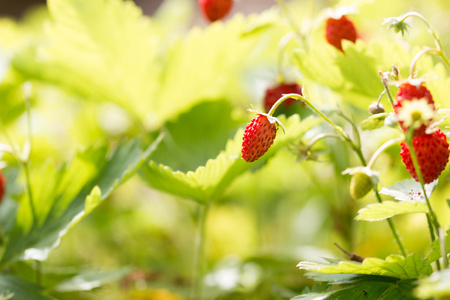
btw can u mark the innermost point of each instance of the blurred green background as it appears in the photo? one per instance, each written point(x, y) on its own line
point(100, 70)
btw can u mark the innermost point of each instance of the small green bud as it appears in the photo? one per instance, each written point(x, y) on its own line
point(360, 185)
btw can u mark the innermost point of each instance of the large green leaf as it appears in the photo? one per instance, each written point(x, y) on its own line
point(62, 195)
point(209, 63)
point(387, 209)
point(208, 181)
point(413, 266)
point(20, 289)
point(102, 48)
point(375, 289)
point(196, 136)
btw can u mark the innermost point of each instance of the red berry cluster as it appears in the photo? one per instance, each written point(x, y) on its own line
point(340, 29)
point(432, 149)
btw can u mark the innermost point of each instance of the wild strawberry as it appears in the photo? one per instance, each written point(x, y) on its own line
point(2, 186)
point(337, 30)
point(414, 107)
point(258, 137)
point(432, 154)
point(274, 93)
point(214, 10)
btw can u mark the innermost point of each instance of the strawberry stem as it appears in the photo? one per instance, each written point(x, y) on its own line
point(430, 29)
point(385, 80)
point(421, 53)
point(381, 149)
point(443, 245)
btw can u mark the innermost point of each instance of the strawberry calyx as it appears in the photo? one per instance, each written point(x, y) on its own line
point(269, 117)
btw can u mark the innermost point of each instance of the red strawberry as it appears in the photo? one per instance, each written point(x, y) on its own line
point(337, 30)
point(432, 153)
point(410, 92)
point(274, 93)
point(258, 137)
point(2, 186)
point(214, 10)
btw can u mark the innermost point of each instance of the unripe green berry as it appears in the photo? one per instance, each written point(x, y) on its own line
point(360, 185)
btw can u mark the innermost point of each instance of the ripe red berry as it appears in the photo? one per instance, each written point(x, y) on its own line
point(2, 186)
point(432, 154)
point(214, 10)
point(337, 30)
point(410, 92)
point(274, 93)
point(258, 137)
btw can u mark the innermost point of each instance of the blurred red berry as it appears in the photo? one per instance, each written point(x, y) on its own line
point(214, 10)
point(276, 92)
point(337, 30)
point(2, 186)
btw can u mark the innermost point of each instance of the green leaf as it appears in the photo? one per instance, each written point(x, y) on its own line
point(413, 266)
point(20, 289)
point(91, 279)
point(63, 195)
point(196, 136)
point(207, 182)
point(387, 209)
point(370, 291)
point(435, 286)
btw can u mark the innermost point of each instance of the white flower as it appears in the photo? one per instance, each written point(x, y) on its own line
point(416, 113)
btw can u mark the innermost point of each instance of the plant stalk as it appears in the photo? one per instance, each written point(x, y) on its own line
point(199, 262)
point(391, 226)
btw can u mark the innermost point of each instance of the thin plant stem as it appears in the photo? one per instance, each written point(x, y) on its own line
point(336, 127)
point(443, 247)
point(430, 29)
point(318, 138)
point(391, 226)
point(433, 238)
point(199, 262)
point(421, 53)
point(381, 149)
point(384, 80)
